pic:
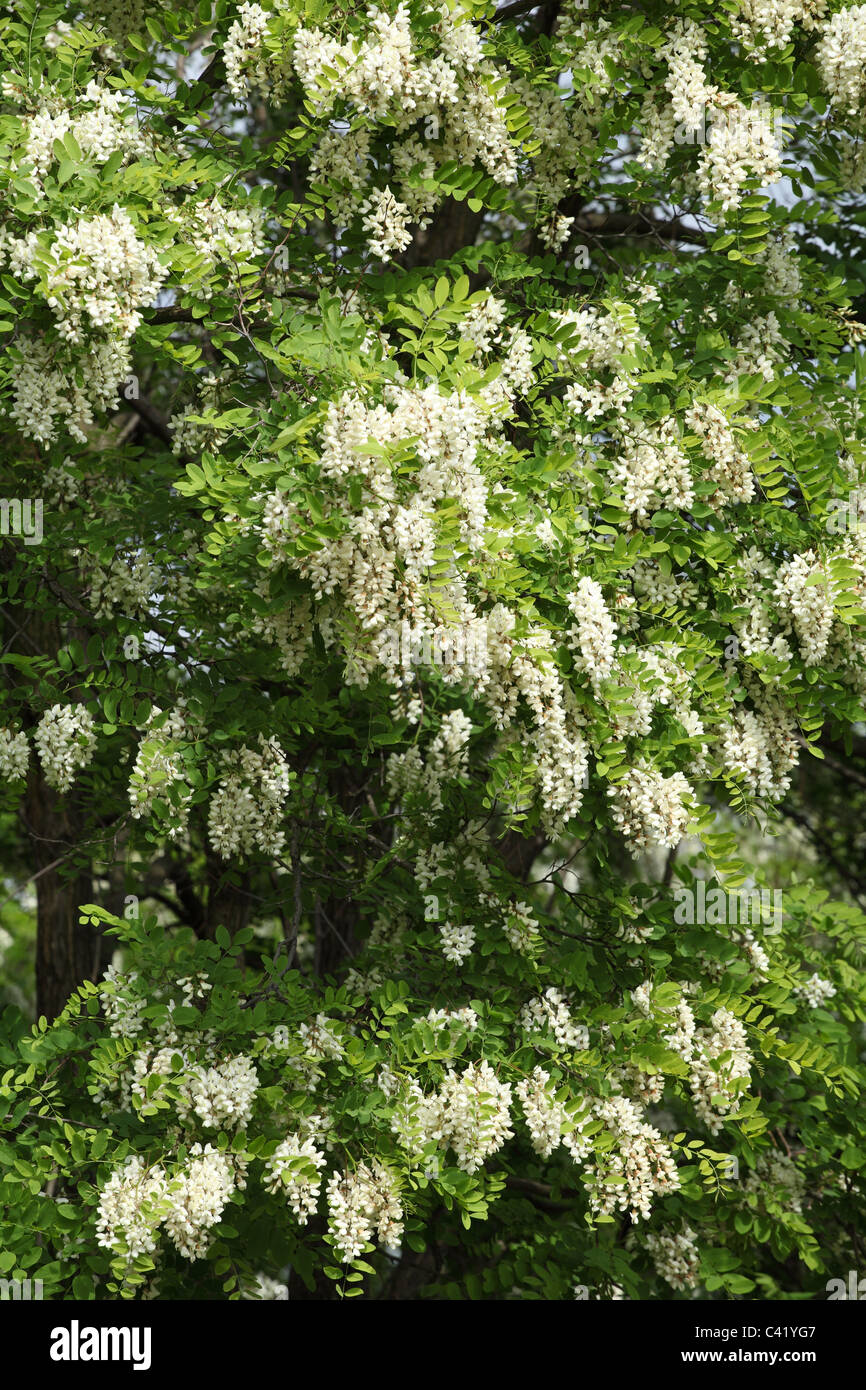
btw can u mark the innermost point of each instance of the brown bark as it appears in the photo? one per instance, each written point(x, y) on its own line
point(66, 952)
point(229, 903)
point(454, 227)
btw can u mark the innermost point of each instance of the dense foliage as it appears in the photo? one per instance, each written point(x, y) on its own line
point(431, 547)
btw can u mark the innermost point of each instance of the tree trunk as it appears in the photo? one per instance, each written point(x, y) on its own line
point(66, 953)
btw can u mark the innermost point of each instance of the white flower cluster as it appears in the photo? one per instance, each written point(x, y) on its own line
point(49, 390)
point(294, 1169)
point(307, 1048)
point(549, 1013)
point(94, 274)
point(222, 1094)
point(457, 941)
point(125, 587)
point(732, 469)
point(740, 144)
point(751, 751)
point(160, 766)
point(642, 998)
point(372, 74)
point(386, 222)
point(379, 561)
point(554, 233)
point(521, 928)
point(465, 1018)
point(61, 485)
point(685, 52)
point(14, 755)
point(474, 1117)
point(766, 24)
point(743, 148)
point(246, 810)
point(559, 749)
point(544, 1115)
point(721, 1068)
point(99, 268)
point(319, 1040)
point(649, 808)
point(470, 1113)
point(804, 590)
point(651, 467)
point(289, 628)
point(652, 677)
point(222, 235)
point(604, 340)
point(782, 275)
point(841, 58)
point(453, 96)
point(758, 348)
point(246, 69)
point(132, 1206)
point(342, 161)
point(676, 1257)
point(65, 741)
point(598, 44)
point(446, 759)
point(719, 1059)
point(777, 1176)
point(754, 951)
point(361, 1203)
point(266, 1288)
point(104, 125)
point(516, 372)
point(198, 1198)
point(815, 992)
point(638, 1169)
point(122, 1003)
point(646, 1087)
point(593, 639)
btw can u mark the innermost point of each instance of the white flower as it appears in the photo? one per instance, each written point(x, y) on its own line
point(243, 53)
point(65, 741)
point(550, 1013)
point(222, 1094)
point(247, 808)
point(131, 1208)
point(676, 1257)
point(841, 58)
point(98, 273)
point(362, 1203)
point(815, 991)
point(14, 755)
point(198, 1198)
point(456, 941)
point(544, 1115)
point(387, 222)
point(594, 636)
point(293, 1169)
point(650, 809)
point(721, 1067)
point(809, 603)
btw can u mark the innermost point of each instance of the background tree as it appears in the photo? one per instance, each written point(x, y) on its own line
point(428, 557)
